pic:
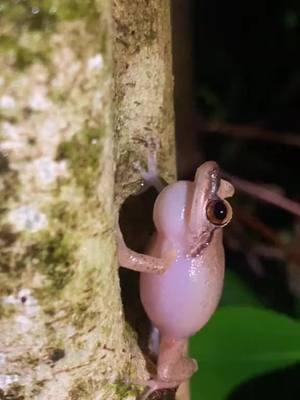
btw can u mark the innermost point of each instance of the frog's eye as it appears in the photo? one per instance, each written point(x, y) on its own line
point(218, 212)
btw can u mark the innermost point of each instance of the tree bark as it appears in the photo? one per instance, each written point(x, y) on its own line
point(144, 116)
point(62, 330)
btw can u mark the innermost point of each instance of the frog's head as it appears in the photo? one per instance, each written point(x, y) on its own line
point(189, 212)
point(209, 210)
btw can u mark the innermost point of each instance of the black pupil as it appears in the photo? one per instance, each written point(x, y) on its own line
point(220, 210)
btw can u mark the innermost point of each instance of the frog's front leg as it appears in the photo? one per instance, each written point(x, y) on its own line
point(141, 262)
point(151, 174)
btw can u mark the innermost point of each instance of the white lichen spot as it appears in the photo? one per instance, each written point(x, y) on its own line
point(47, 170)
point(64, 60)
point(27, 218)
point(7, 380)
point(35, 10)
point(49, 127)
point(25, 302)
point(95, 63)
point(97, 102)
point(28, 307)
point(26, 298)
point(71, 331)
point(2, 359)
point(10, 131)
point(25, 324)
point(38, 100)
point(7, 102)
point(43, 372)
point(11, 300)
point(12, 137)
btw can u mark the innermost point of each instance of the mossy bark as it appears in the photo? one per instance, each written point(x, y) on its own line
point(62, 329)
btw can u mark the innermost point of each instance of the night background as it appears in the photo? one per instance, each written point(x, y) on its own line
point(237, 95)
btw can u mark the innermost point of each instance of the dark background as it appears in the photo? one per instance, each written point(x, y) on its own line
point(236, 63)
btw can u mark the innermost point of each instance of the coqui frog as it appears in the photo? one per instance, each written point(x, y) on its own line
point(182, 273)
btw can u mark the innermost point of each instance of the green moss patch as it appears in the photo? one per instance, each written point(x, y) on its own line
point(53, 251)
point(44, 14)
point(9, 185)
point(14, 392)
point(80, 390)
point(34, 14)
point(54, 256)
point(7, 310)
point(83, 153)
point(74, 9)
point(124, 390)
point(23, 56)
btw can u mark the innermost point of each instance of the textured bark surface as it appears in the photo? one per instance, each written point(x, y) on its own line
point(144, 115)
point(62, 329)
point(144, 118)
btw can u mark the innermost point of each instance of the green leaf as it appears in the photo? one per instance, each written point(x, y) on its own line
point(240, 343)
point(237, 292)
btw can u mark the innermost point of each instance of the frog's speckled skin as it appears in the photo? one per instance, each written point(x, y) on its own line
point(186, 257)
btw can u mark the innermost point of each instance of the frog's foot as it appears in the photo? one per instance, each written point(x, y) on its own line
point(170, 377)
point(155, 385)
point(150, 175)
point(179, 372)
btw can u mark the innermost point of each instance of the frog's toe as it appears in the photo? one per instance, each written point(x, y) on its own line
point(179, 372)
point(155, 385)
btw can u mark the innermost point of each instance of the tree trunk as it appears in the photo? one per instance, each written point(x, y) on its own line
point(62, 329)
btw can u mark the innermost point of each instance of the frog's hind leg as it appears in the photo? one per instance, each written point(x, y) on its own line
point(173, 364)
point(173, 367)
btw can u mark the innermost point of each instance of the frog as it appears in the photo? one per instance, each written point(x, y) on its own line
point(182, 270)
